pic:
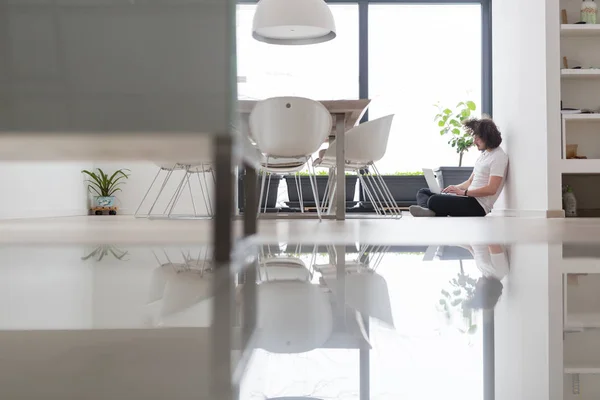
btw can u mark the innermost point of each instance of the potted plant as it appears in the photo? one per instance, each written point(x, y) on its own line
point(403, 187)
point(307, 195)
point(450, 123)
point(269, 195)
point(103, 187)
point(455, 302)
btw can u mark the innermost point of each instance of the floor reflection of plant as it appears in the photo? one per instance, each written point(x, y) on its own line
point(456, 300)
point(105, 249)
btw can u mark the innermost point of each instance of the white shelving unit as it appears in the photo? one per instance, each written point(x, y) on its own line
point(577, 30)
point(581, 317)
point(582, 117)
point(580, 73)
point(580, 45)
point(583, 370)
point(587, 167)
point(582, 321)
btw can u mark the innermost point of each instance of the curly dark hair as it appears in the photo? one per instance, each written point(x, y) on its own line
point(485, 129)
point(486, 295)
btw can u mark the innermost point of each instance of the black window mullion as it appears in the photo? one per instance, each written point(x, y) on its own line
point(363, 52)
point(486, 58)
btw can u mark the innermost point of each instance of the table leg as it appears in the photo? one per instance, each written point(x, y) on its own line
point(340, 158)
point(223, 286)
point(365, 366)
point(340, 262)
point(489, 359)
point(250, 275)
point(251, 200)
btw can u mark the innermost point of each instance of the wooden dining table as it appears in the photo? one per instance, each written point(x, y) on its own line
point(346, 115)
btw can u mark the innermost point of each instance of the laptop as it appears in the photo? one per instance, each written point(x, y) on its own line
point(433, 184)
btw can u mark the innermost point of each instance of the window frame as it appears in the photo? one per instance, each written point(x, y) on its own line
point(363, 42)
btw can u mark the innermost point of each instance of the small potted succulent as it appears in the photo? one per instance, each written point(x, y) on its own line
point(103, 187)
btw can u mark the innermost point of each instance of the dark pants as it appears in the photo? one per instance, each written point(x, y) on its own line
point(450, 206)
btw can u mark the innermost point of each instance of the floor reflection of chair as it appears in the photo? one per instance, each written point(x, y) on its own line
point(294, 315)
point(179, 286)
point(331, 326)
point(365, 290)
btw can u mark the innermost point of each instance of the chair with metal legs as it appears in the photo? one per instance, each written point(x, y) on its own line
point(288, 131)
point(365, 145)
point(185, 184)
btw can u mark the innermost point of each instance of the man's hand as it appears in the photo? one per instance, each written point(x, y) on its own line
point(454, 190)
point(450, 189)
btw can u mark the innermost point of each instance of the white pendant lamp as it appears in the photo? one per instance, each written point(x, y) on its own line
point(293, 22)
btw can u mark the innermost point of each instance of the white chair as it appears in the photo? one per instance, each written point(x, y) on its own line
point(189, 168)
point(288, 131)
point(365, 145)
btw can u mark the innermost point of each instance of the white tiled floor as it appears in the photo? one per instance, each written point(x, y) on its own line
point(127, 230)
point(63, 307)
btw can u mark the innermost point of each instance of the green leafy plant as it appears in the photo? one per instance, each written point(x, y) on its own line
point(455, 300)
point(103, 185)
point(414, 173)
point(450, 123)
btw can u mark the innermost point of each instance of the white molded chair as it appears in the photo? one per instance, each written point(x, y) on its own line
point(288, 131)
point(189, 168)
point(365, 145)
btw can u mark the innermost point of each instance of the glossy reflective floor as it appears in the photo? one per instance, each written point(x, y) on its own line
point(341, 321)
point(131, 322)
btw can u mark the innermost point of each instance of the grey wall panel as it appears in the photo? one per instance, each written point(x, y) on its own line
point(117, 66)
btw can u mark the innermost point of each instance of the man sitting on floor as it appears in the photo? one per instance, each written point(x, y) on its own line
point(476, 196)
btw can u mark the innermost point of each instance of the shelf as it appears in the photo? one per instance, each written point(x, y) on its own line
point(580, 266)
point(581, 30)
point(580, 166)
point(581, 117)
point(582, 370)
point(580, 73)
point(581, 321)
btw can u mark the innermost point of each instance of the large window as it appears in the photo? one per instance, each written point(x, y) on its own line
point(326, 71)
point(405, 56)
point(420, 55)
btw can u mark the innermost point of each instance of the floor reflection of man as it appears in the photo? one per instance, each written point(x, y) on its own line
point(492, 262)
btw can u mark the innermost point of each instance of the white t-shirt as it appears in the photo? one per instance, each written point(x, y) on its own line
point(490, 163)
point(490, 265)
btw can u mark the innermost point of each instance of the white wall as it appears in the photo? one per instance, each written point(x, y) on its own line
point(528, 326)
point(526, 79)
point(52, 189)
point(34, 190)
